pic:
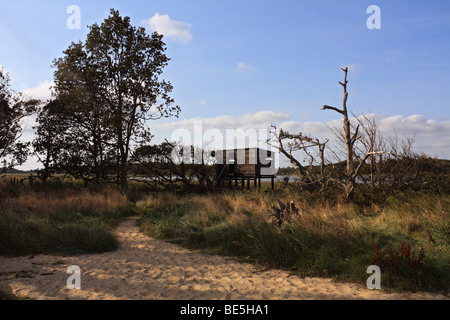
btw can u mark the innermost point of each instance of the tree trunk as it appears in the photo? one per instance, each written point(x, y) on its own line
point(123, 157)
point(349, 184)
point(124, 176)
point(349, 188)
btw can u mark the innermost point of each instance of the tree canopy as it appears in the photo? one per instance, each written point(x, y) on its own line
point(13, 108)
point(111, 88)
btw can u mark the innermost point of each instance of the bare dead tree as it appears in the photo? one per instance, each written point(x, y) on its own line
point(371, 138)
point(288, 144)
point(350, 137)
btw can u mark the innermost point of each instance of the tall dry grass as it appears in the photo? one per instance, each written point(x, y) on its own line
point(61, 221)
point(332, 239)
point(49, 204)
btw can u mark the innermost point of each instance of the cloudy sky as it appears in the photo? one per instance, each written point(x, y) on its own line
point(241, 64)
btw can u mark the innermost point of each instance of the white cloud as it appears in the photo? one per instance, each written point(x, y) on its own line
point(432, 136)
point(203, 102)
point(414, 125)
point(248, 129)
point(262, 118)
point(245, 68)
point(174, 30)
point(258, 120)
point(42, 91)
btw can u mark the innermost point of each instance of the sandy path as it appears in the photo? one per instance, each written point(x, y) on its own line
point(145, 268)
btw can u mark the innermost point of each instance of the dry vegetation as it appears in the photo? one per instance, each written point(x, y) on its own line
point(332, 240)
point(327, 237)
point(64, 220)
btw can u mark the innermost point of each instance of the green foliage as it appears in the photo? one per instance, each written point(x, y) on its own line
point(13, 108)
point(101, 116)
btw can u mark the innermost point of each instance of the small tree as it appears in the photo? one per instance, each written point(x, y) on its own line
point(167, 164)
point(154, 164)
point(49, 139)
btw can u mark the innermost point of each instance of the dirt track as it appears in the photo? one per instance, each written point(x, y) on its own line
point(145, 268)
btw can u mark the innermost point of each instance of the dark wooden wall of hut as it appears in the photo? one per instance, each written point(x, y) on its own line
point(247, 162)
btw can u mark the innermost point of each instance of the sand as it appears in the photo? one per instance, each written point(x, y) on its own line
point(150, 269)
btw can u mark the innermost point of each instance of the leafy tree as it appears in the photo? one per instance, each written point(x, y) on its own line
point(13, 108)
point(88, 150)
point(49, 139)
point(112, 83)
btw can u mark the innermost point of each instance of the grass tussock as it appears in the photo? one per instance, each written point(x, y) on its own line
point(331, 240)
point(64, 221)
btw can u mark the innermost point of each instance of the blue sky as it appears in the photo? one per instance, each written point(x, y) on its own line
point(257, 62)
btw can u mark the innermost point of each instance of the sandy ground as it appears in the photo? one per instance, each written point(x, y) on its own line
point(145, 268)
